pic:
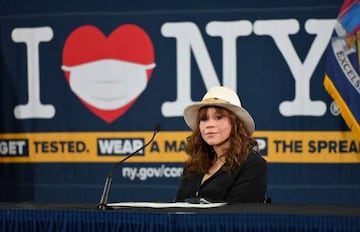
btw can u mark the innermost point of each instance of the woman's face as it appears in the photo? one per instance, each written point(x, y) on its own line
point(215, 127)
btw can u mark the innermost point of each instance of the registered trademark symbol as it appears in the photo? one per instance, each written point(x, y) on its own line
point(334, 109)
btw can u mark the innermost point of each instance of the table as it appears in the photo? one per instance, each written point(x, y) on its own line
point(29, 216)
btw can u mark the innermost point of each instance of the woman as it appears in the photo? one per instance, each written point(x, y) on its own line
point(224, 164)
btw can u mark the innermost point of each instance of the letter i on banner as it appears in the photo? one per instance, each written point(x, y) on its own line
point(342, 80)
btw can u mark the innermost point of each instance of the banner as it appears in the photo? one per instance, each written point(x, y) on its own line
point(93, 80)
point(81, 89)
point(169, 147)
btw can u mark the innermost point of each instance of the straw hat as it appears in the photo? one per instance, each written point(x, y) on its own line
point(222, 97)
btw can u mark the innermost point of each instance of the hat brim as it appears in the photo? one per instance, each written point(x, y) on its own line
point(191, 114)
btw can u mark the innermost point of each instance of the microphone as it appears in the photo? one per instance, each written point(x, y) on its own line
point(106, 190)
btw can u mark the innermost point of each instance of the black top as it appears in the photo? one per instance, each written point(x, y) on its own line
point(246, 183)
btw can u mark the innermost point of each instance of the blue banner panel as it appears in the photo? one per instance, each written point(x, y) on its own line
point(82, 88)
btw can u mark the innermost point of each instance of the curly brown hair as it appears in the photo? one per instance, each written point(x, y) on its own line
point(202, 155)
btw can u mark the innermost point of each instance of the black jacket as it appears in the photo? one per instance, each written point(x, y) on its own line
point(247, 183)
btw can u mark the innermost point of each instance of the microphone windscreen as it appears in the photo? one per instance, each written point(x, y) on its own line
point(157, 128)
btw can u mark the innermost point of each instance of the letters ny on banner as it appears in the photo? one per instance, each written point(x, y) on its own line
point(342, 80)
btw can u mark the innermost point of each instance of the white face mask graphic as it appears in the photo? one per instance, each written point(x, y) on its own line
point(108, 84)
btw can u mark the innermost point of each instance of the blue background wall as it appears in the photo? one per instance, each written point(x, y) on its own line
point(264, 81)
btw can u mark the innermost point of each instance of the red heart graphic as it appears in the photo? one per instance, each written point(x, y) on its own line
point(126, 43)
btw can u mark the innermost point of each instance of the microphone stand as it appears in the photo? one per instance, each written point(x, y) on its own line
point(106, 190)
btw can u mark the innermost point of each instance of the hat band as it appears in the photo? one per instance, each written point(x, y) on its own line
point(214, 100)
